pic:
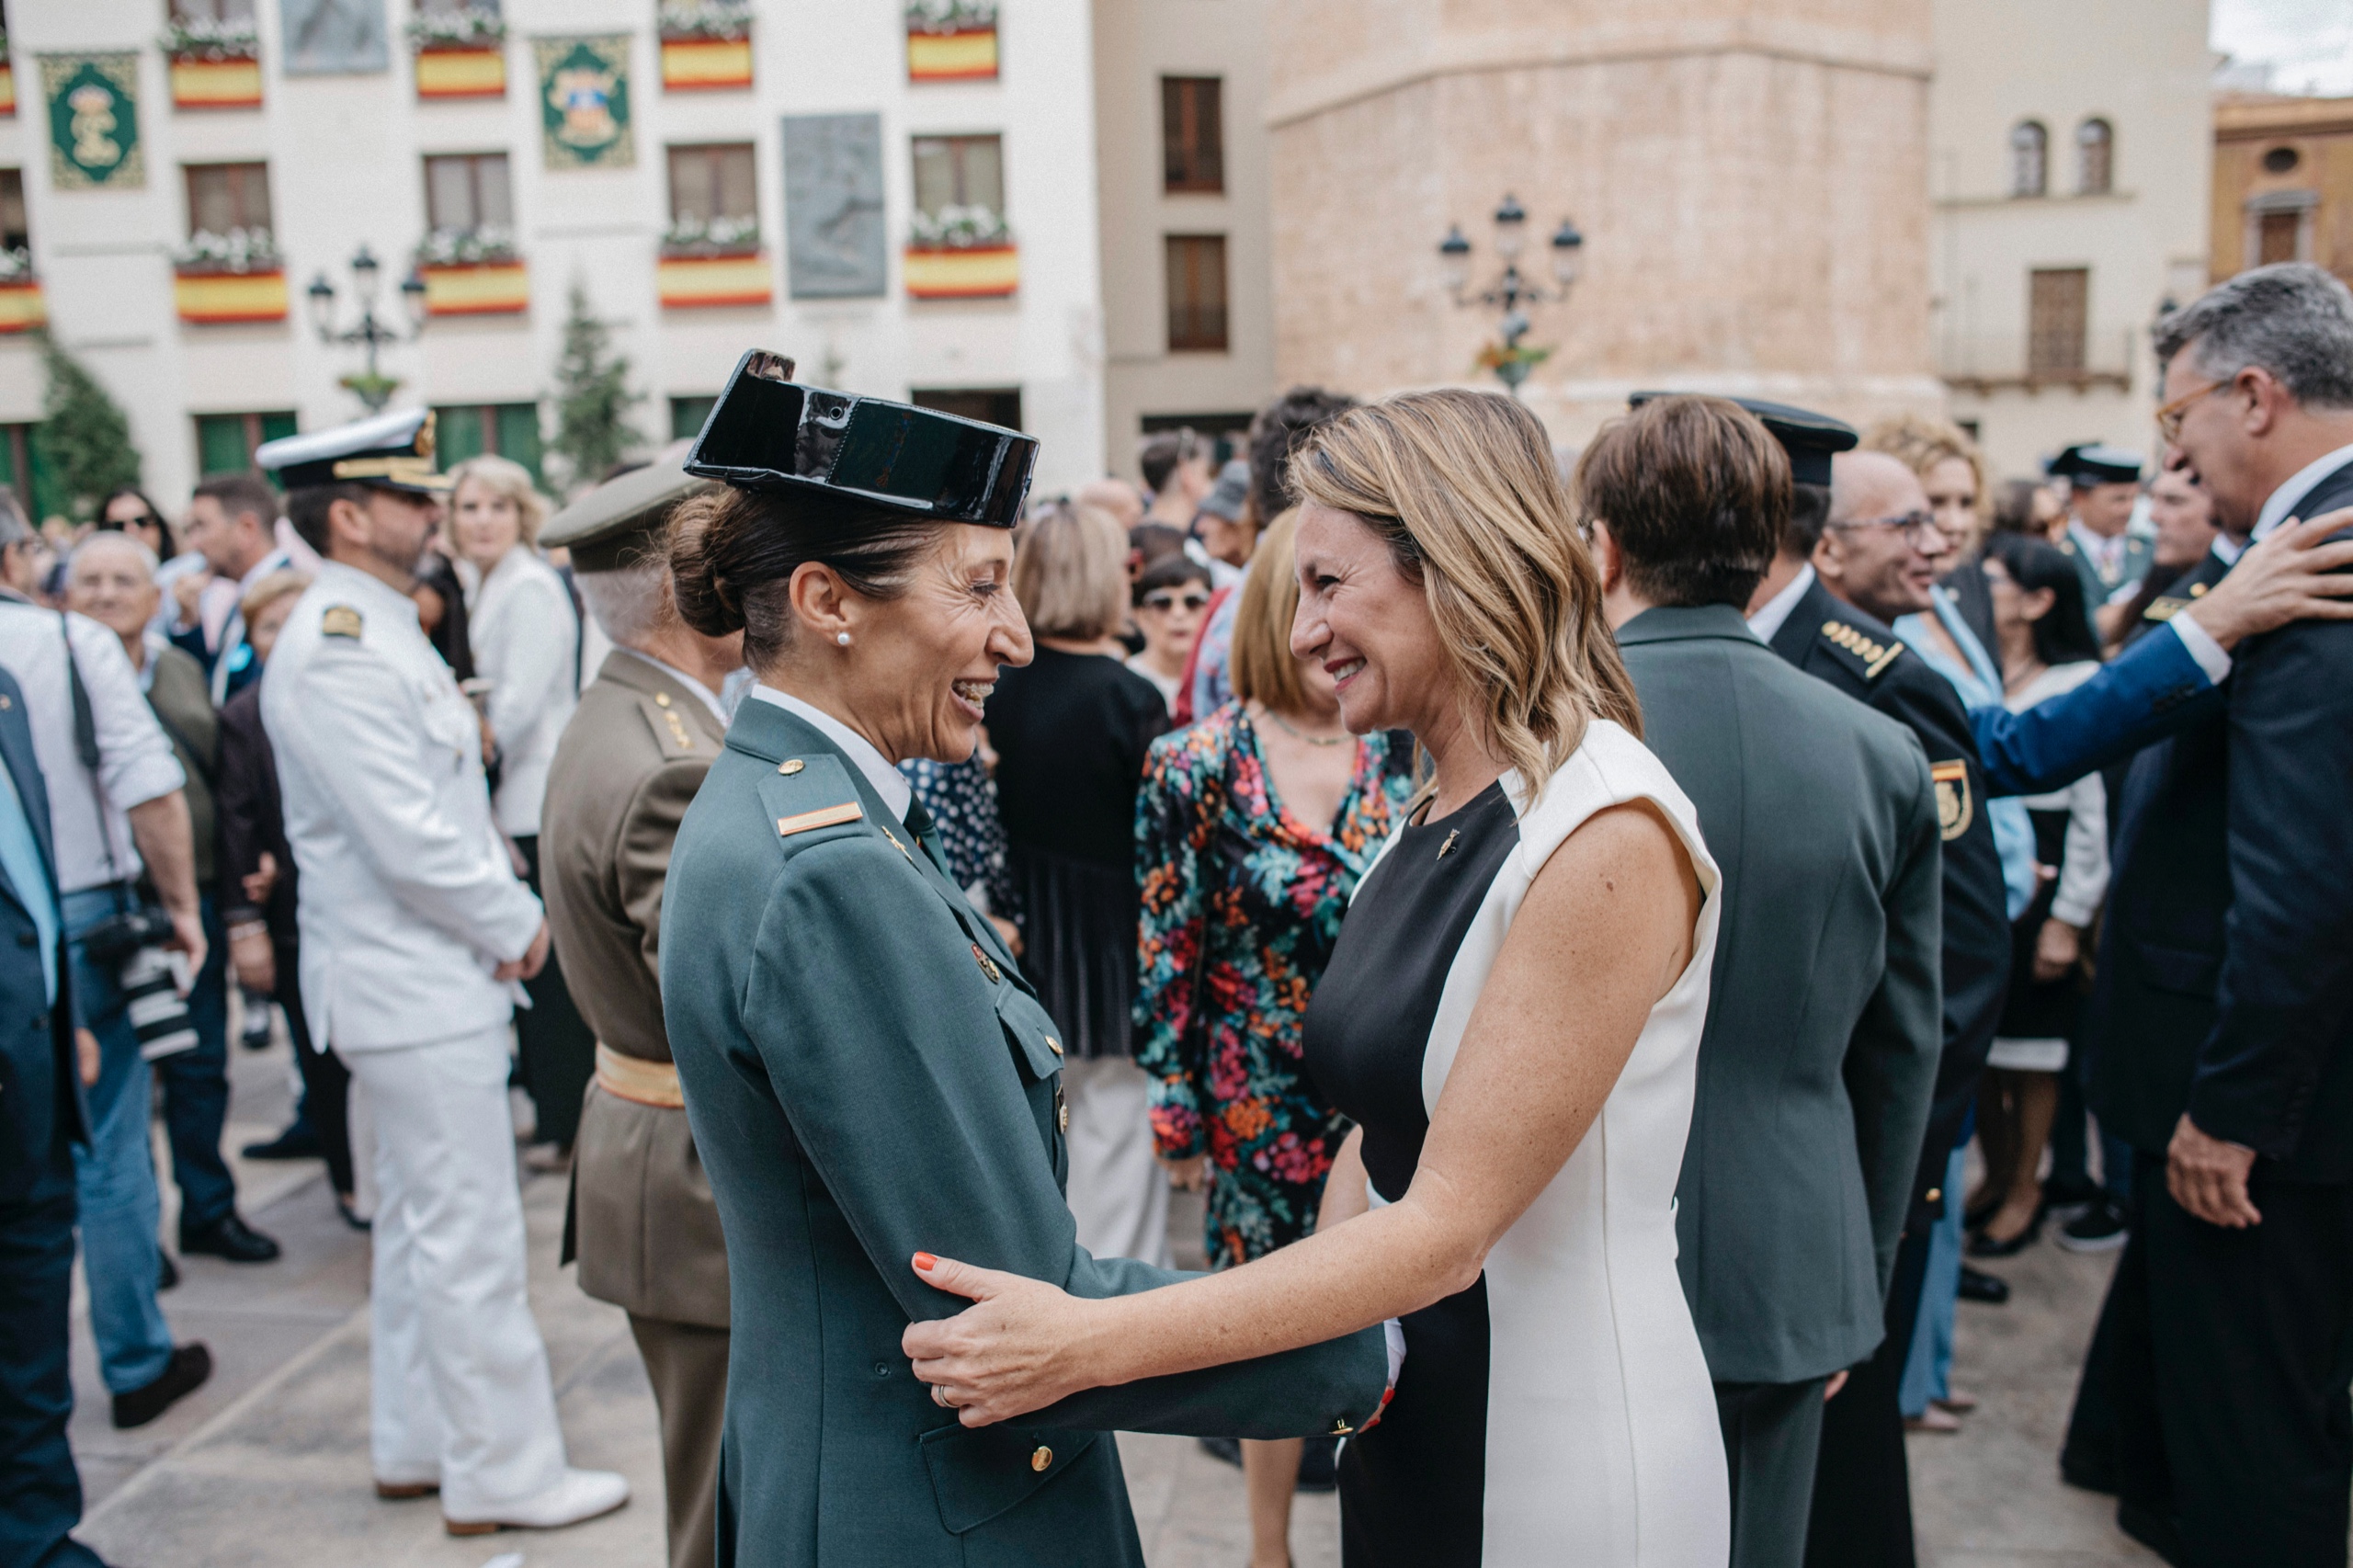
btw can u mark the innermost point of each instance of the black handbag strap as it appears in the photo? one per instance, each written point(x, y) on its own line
point(85, 747)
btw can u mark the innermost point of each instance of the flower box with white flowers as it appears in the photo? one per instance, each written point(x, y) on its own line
point(214, 64)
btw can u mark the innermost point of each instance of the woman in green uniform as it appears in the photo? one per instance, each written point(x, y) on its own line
point(864, 1065)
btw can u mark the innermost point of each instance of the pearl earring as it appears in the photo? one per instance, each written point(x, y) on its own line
point(842, 638)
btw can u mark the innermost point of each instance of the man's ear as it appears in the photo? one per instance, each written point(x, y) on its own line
point(1605, 557)
point(347, 520)
point(1829, 557)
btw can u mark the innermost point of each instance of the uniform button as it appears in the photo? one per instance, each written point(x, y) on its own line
point(662, 699)
point(1063, 1116)
point(882, 1368)
point(791, 766)
point(1041, 1459)
point(1936, 1194)
point(1051, 1043)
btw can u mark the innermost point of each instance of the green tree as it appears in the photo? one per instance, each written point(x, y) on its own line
point(86, 433)
point(593, 430)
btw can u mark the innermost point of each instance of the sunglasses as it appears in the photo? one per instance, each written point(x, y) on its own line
point(1166, 601)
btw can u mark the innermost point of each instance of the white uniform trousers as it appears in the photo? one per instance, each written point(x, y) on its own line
point(1117, 1192)
point(461, 1393)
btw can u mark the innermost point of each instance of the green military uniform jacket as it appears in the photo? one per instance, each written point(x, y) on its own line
point(642, 1221)
point(1825, 1018)
point(2139, 554)
point(868, 1075)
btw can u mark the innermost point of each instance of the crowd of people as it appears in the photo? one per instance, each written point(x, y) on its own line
point(1569, 914)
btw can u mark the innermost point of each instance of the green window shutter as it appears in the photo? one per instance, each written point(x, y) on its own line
point(687, 415)
point(49, 497)
point(518, 436)
point(221, 443)
point(457, 435)
point(277, 426)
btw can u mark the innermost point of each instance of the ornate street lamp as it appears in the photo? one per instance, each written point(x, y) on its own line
point(1512, 294)
point(370, 386)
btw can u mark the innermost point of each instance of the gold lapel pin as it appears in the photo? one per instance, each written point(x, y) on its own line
point(1452, 835)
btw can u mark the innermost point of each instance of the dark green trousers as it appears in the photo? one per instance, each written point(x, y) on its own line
point(1773, 1436)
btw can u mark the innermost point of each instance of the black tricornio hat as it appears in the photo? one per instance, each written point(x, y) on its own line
point(770, 432)
point(2094, 462)
point(1809, 439)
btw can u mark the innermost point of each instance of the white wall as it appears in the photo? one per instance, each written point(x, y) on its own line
point(344, 166)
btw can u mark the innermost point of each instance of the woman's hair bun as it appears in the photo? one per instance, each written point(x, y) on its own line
point(701, 531)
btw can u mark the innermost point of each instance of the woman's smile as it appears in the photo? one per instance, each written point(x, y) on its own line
point(973, 697)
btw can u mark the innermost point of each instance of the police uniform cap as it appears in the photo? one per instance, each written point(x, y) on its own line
point(769, 432)
point(2094, 462)
point(1230, 494)
point(390, 452)
point(1808, 437)
point(619, 522)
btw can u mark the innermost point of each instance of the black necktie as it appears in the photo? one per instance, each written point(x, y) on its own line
point(919, 824)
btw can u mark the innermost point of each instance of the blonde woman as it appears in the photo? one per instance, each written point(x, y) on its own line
point(1070, 731)
point(1511, 1016)
point(525, 641)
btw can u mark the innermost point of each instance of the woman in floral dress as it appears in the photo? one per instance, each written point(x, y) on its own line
point(1252, 829)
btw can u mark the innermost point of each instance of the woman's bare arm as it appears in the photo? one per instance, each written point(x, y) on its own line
point(1605, 932)
point(1344, 1194)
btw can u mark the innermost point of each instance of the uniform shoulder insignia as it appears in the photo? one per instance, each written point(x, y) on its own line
point(1954, 807)
point(670, 732)
point(1868, 651)
point(2167, 606)
point(340, 620)
point(818, 794)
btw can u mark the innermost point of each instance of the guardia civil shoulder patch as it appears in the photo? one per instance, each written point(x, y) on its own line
point(340, 620)
point(1954, 807)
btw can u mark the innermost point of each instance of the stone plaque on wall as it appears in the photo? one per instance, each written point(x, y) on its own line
point(833, 206)
point(335, 38)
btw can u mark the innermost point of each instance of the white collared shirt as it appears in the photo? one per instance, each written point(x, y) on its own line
point(887, 781)
point(2300, 484)
point(2107, 554)
point(709, 697)
point(1766, 623)
point(135, 761)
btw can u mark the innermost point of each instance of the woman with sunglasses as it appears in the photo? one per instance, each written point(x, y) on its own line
point(1251, 830)
point(1168, 599)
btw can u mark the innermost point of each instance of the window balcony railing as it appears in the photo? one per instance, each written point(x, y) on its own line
point(213, 64)
point(951, 40)
point(460, 55)
point(473, 272)
point(22, 306)
point(712, 262)
point(226, 280)
point(2050, 361)
point(960, 253)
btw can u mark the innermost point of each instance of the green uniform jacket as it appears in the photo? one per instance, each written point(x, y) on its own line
point(870, 1076)
point(1825, 1018)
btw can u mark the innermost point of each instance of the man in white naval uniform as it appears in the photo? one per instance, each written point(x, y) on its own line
point(415, 930)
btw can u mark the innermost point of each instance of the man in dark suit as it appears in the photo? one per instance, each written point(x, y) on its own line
point(1823, 1020)
point(43, 1066)
point(2222, 1021)
point(1848, 564)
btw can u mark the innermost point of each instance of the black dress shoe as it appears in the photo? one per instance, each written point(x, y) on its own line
point(1984, 1245)
point(167, 1273)
point(1976, 1285)
point(1226, 1449)
point(2089, 1471)
point(350, 1215)
point(1974, 1218)
point(297, 1142)
point(183, 1374)
point(231, 1238)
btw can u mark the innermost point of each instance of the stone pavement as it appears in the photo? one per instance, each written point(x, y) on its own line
point(268, 1464)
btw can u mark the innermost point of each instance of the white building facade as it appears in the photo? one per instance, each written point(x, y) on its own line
point(2070, 150)
point(908, 207)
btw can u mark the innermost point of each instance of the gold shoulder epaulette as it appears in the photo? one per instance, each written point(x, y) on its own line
point(2164, 609)
point(1876, 655)
point(340, 620)
point(670, 732)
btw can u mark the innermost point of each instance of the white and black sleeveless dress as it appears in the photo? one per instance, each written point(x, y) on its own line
point(1559, 1411)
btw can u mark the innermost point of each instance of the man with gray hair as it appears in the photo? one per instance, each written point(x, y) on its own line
point(647, 729)
point(2214, 1401)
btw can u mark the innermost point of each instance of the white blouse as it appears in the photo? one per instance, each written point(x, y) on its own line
point(2083, 870)
point(525, 641)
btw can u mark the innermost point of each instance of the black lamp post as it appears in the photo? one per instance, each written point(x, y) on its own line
point(372, 388)
point(1510, 292)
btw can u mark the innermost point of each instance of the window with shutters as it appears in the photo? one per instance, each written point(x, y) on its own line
point(224, 197)
point(959, 171)
point(15, 233)
point(212, 10)
point(716, 181)
point(2277, 237)
point(991, 405)
point(2029, 159)
point(2058, 302)
point(225, 442)
point(2095, 157)
point(466, 193)
point(504, 429)
point(1192, 134)
point(687, 415)
point(1196, 294)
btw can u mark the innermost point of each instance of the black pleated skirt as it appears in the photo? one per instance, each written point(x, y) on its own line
point(1079, 946)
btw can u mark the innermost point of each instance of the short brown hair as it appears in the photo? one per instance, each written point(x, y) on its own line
point(1696, 493)
point(1070, 572)
point(240, 493)
point(1261, 662)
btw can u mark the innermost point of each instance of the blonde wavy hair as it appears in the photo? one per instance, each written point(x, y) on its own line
point(1463, 487)
point(502, 477)
point(1260, 663)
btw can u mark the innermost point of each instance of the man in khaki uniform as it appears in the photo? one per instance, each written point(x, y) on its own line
point(643, 1223)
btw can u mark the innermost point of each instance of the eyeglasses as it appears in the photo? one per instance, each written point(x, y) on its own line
point(2170, 417)
point(1164, 601)
point(1918, 529)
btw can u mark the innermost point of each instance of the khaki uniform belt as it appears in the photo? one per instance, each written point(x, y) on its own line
point(636, 1079)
